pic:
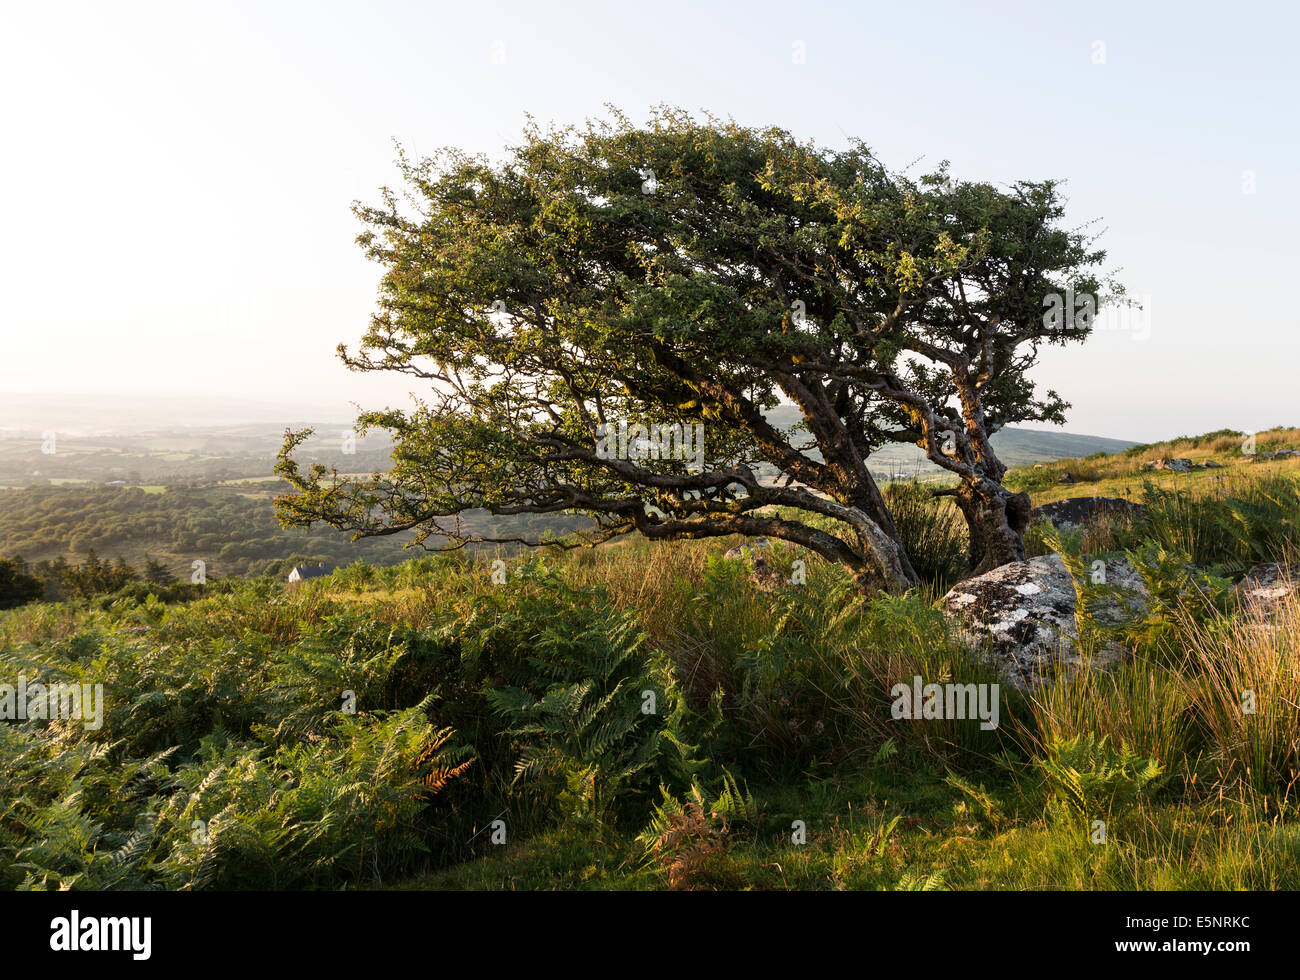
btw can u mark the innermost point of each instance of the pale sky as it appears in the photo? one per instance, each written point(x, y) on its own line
point(176, 177)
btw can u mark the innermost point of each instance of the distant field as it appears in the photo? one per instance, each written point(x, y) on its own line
point(218, 454)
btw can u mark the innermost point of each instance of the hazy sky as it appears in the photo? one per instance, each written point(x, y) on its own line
point(176, 177)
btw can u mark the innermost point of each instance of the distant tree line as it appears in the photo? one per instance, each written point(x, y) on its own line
point(22, 582)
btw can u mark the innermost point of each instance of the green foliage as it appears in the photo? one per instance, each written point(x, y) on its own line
point(914, 881)
point(933, 533)
point(986, 807)
point(1228, 531)
point(605, 723)
point(686, 840)
point(16, 586)
point(202, 723)
point(311, 814)
point(157, 573)
point(730, 806)
point(1177, 593)
point(95, 577)
point(224, 705)
point(555, 294)
point(1094, 778)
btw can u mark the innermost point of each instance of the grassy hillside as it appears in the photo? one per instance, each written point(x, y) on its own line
point(1126, 472)
point(370, 728)
point(1015, 447)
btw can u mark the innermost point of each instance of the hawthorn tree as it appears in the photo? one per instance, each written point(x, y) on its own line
point(604, 294)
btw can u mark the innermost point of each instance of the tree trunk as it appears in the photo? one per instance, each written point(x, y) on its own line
point(997, 519)
point(887, 567)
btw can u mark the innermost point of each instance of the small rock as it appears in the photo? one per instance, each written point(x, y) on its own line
point(766, 578)
point(1264, 590)
point(1072, 513)
point(1176, 465)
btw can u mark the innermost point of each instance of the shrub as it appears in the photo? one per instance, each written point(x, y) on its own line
point(601, 718)
point(1093, 778)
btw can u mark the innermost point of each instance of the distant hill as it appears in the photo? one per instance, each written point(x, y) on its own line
point(231, 528)
point(1016, 448)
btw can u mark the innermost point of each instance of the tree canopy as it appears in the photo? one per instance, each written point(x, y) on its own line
point(606, 317)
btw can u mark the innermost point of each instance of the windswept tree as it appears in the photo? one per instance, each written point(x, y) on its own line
point(606, 319)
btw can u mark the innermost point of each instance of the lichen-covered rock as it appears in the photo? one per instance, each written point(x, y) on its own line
point(1072, 513)
point(1023, 616)
point(1177, 465)
point(1263, 457)
point(1264, 589)
point(766, 578)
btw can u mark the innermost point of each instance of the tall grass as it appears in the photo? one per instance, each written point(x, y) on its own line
point(933, 533)
point(1246, 694)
